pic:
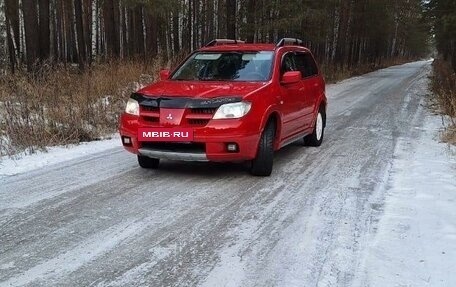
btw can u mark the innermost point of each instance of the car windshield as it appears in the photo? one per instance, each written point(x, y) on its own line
point(226, 66)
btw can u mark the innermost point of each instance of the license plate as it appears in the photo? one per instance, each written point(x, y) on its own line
point(165, 134)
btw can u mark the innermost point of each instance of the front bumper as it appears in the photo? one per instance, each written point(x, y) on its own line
point(213, 138)
point(173, 155)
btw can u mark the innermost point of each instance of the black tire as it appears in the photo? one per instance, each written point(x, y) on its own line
point(147, 162)
point(262, 164)
point(316, 138)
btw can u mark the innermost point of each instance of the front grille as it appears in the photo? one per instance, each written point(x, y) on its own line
point(196, 122)
point(150, 109)
point(200, 117)
point(194, 117)
point(176, 147)
point(210, 111)
point(150, 115)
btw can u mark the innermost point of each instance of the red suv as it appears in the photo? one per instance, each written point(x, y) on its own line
point(229, 102)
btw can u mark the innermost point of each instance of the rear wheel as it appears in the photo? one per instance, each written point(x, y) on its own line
point(147, 162)
point(262, 164)
point(316, 137)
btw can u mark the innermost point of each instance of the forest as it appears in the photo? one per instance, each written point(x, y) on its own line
point(90, 54)
point(343, 34)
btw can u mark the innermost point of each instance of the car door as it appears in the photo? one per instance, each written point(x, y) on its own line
point(311, 82)
point(291, 99)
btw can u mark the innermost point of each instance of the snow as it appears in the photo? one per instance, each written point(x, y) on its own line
point(415, 244)
point(345, 220)
point(85, 251)
point(411, 230)
point(23, 163)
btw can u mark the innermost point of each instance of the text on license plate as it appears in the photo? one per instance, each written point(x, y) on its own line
point(165, 134)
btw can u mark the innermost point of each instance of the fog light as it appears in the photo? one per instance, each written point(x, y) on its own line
point(232, 147)
point(126, 140)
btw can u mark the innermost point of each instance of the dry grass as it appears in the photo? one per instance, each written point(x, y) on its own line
point(63, 106)
point(334, 74)
point(444, 87)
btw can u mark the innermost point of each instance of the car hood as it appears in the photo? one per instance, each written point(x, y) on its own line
point(201, 89)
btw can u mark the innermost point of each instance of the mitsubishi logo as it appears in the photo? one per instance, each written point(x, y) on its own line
point(169, 117)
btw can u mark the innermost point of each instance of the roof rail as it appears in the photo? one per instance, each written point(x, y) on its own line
point(218, 42)
point(289, 41)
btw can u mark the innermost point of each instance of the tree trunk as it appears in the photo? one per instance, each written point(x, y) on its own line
point(231, 19)
point(176, 44)
point(12, 31)
point(11, 49)
point(131, 32)
point(59, 32)
point(195, 20)
point(162, 39)
point(70, 34)
point(204, 20)
point(190, 24)
point(139, 30)
point(210, 21)
point(111, 37)
point(220, 25)
point(87, 27)
point(151, 34)
point(82, 58)
point(250, 21)
point(124, 35)
point(31, 32)
point(45, 33)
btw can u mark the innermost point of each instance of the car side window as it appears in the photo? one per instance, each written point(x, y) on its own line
point(288, 63)
point(306, 64)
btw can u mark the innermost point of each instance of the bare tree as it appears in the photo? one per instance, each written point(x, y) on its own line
point(231, 19)
point(82, 56)
point(45, 45)
point(29, 8)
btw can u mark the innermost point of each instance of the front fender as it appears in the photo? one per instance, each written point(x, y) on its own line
point(273, 111)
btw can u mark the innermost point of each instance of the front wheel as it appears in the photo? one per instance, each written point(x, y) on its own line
point(262, 163)
point(316, 137)
point(147, 162)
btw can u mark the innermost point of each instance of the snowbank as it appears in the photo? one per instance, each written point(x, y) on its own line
point(416, 238)
point(23, 163)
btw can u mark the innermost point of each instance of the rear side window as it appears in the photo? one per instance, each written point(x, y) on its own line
point(306, 64)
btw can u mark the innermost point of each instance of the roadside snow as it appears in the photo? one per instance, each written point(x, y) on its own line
point(415, 244)
point(25, 163)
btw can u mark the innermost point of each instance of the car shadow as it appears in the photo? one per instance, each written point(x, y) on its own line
point(204, 169)
point(214, 169)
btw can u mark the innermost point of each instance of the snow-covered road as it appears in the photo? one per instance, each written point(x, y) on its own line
point(345, 214)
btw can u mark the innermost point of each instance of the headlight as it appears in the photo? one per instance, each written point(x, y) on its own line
point(132, 107)
point(232, 111)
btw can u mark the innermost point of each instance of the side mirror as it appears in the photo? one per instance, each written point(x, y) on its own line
point(291, 77)
point(164, 75)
